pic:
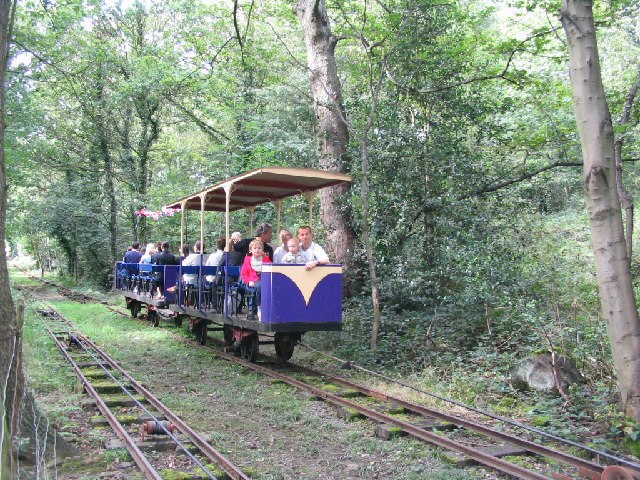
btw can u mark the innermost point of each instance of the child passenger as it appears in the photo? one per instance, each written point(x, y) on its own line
point(293, 256)
point(250, 274)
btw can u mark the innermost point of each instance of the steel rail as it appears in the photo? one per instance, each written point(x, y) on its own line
point(230, 469)
point(418, 432)
point(96, 356)
point(617, 458)
point(584, 467)
point(468, 424)
point(136, 453)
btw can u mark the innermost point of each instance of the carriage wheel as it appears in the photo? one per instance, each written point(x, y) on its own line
point(203, 333)
point(249, 348)
point(284, 346)
point(135, 308)
point(200, 331)
point(154, 318)
point(227, 333)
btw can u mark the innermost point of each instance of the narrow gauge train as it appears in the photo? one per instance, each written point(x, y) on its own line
point(294, 300)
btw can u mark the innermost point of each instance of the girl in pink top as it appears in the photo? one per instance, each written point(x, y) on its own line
point(250, 275)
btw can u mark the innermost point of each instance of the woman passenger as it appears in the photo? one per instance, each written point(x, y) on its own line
point(151, 249)
point(282, 250)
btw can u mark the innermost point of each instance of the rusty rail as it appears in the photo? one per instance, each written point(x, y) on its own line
point(229, 468)
point(584, 467)
point(129, 443)
point(567, 459)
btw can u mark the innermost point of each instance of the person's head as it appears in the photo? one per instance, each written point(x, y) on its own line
point(305, 236)
point(151, 248)
point(285, 235)
point(165, 246)
point(236, 237)
point(293, 246)
point(230, 245)
point(158, 246)
point(135, 245)
point(185, 249)
point(197, 247)
point(256, 249)
point(264, 232)
point(220, 242)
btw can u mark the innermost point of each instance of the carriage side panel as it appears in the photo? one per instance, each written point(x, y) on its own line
point(290, 293)
point(170, 276)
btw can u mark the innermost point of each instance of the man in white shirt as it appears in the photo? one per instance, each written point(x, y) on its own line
point(193, 260)
point(314, 253)
point(214, 258)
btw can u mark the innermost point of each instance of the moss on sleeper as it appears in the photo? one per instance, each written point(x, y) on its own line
point(94, 372)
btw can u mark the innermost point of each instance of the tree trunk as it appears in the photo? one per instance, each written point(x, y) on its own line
point(332, 130)
point(366, 239)
point(107, 161)
point(364, 196)
point(9, 372)
point(147, 109)
point(113, 207)
point(625, 199)
point(603, 204)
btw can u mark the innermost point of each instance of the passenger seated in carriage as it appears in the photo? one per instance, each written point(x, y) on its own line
point(214, 258)
point(149, 251)
point(230, 258)
point(293, 255)
point(250, 274)
point(281, 251)
point(264, 232)
point(164, 256)
point(193, 260)
point(133, 255)
point(313, 252)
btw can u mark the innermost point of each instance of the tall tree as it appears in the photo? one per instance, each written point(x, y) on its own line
point(603, 204)
point(332, 130)
point(10, 368)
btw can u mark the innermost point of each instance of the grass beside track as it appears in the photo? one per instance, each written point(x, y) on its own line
point(265, 427)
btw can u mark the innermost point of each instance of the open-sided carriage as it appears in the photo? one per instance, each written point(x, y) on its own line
point(294, 300)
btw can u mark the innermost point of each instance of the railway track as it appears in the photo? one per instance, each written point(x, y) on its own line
point(475, 441)
point(394, 416)
point(150, 431)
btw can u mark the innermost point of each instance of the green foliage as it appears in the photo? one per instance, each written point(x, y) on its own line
point(117, 455)
point(480, 259)
point(626, 430)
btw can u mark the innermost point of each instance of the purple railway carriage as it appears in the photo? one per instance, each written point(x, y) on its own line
point(294, 300)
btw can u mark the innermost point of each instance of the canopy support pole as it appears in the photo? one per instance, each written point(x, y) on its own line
point(278, 208)
point(227, 193)
point(202, 197)
point(183, 212)
point(309, 196)
point(251, 210)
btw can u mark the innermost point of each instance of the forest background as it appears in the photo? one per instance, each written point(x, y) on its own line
point(462, 112)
